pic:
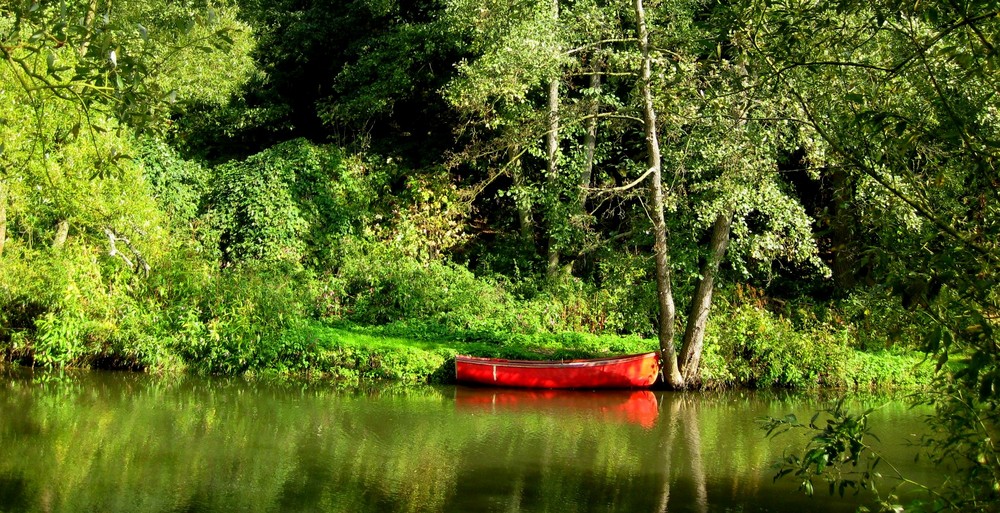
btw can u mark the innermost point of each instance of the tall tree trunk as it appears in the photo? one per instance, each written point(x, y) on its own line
point(3, 215)
point(62, 231)
point(552, 152)
point(701, 303)
point(842, 225)
point(590, 139)
point(664, 291)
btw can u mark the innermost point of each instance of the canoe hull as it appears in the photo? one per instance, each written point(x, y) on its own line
point(632, 371)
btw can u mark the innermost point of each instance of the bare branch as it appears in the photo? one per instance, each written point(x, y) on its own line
point(623, 188)
point(140, 262)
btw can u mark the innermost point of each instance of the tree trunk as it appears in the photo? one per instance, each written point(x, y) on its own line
point(88, 23)
point(590, 141)
point(3, 215)
point(664, 292)
point(522, 203)
point(552, 152)
point(842, 225)
point(62, 231)
point(701, 302)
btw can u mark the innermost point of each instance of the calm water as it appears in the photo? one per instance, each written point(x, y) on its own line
point(120, 442)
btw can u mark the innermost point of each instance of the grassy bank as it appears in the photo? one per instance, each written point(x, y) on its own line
point(357, 355)
point(73, 308)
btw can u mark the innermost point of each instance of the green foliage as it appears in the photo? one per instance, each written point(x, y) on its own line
point(133, 62)
point(378, 284)
point(237, 321)
point(832, 453)
point(427, 219)
point(763, 350)
point(904, 97)
point(73, 307)
point(179, 185)
point(288, 203)
point(748, 345)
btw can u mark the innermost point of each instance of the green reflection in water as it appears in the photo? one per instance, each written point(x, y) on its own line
point(128, 442)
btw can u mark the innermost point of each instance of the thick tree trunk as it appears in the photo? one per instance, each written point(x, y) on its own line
point(701, 303)
point(664, 291)
point(62, 231)
point(552, 152)
point(3, 215)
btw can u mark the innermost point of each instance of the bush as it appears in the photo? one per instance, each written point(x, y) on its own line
point(288, 203)
point(749, 346)
point(240, 320)
point(378, 284)
point(759, 349)
point(67, 307)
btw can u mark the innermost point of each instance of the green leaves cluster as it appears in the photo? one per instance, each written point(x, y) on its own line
point(289, 203)
point(834, 452)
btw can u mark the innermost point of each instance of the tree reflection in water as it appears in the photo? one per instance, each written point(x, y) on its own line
point(126, 442)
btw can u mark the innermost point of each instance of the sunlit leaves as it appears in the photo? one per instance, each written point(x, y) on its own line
point(903, 97)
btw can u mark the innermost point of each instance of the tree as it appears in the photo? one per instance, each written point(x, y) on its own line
point(82, 78)
point(902, 96)
point(727, 185)
point(531, 91)
point(721, 142)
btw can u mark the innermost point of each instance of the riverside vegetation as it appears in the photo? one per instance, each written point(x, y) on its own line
point(362, 191)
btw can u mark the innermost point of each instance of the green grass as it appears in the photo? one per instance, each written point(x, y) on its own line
point(354, 353)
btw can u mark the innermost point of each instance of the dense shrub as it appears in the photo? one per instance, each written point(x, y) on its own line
point(288, 203)
point(74, 306)
point(377, 283)
point(750, 346)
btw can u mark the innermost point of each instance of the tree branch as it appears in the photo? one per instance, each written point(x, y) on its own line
point(140, 262)
point(623, 188)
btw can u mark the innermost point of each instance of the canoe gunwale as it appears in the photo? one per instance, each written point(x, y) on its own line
point(590, 362)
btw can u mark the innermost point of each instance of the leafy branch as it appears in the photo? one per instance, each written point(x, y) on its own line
point(838, 455)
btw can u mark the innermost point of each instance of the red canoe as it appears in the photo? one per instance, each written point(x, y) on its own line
point(632, 371)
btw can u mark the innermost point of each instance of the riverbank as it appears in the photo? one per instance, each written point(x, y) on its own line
point(415, 354)
point(383, 353)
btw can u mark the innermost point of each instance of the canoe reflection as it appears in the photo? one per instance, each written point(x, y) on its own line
point(631, 406)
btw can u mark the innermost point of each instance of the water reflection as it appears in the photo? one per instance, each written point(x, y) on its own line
point(126, 442)
point(634, 406)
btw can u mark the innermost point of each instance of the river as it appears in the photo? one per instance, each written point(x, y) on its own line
point(124, 442)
